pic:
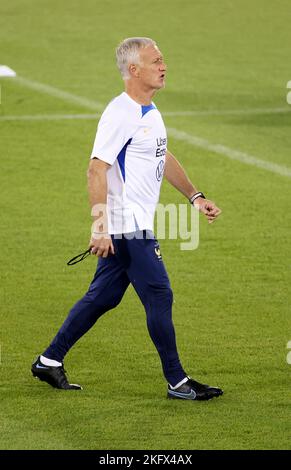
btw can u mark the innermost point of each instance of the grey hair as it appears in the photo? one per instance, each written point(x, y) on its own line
point(128, 53)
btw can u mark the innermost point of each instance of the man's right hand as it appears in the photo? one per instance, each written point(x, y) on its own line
point(101, 245)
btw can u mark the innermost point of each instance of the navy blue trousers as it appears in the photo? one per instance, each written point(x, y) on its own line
point(136, 261)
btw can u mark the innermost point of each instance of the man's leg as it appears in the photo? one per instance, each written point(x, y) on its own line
point(147, 273)
point(105, 292)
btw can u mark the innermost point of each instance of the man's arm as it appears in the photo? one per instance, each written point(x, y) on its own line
point(100, 241)
point(178, 178)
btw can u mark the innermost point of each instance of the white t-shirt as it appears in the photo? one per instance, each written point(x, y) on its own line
point(132, 138)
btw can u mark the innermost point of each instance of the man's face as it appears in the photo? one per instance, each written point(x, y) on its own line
point(152, 69)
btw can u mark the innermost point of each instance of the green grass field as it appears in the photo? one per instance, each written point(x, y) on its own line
point(232, 294)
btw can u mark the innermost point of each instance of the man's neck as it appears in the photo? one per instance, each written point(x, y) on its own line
point(142, 97)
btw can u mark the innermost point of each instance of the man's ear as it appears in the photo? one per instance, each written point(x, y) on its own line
point(134, 70)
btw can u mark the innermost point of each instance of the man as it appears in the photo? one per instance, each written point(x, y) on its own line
point(124, 177)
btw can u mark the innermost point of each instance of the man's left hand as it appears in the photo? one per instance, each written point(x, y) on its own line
point(208, 208)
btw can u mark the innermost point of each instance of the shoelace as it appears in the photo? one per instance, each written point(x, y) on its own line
point(79, 257)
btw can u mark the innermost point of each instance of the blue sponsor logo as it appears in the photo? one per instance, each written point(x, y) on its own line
point(160, 170)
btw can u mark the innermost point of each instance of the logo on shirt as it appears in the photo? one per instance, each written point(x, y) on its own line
point(158, 251)
point(160, 170)
point(161, 147)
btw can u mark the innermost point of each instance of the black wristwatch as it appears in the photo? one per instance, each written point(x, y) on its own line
point(195, 196)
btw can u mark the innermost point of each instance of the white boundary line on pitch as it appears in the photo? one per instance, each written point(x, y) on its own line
point(49, 117)
point(63, 95)
point(228, 112)
point(59, 117)
point(232, 154)
point(97, 106)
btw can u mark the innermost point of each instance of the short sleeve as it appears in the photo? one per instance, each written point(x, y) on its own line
point(112, 133)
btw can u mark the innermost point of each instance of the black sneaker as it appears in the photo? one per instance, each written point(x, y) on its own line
point(192, 390)
point(55, 376)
